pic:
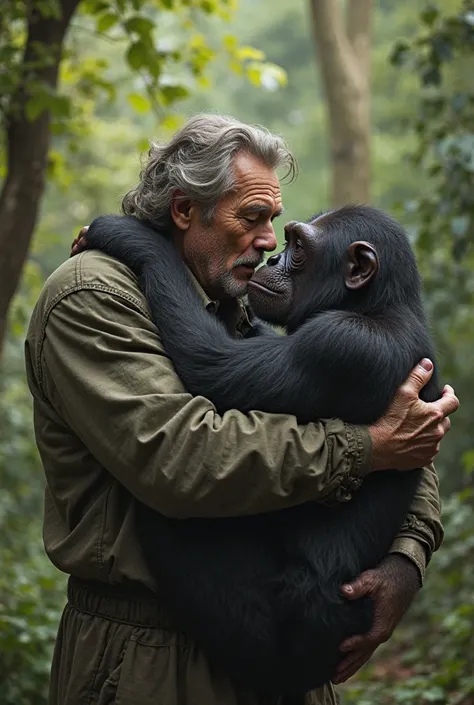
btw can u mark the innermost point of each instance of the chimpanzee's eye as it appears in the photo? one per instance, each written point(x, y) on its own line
point(298, 255)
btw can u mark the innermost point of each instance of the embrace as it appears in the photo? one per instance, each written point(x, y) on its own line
point(245, 515)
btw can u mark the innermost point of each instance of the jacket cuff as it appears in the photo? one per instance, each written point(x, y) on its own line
point(412, 549)
point(358, 459)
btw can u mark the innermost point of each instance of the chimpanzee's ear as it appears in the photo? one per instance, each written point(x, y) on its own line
point(362, 264)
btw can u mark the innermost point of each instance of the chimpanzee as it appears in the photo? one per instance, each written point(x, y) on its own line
point(261, 594)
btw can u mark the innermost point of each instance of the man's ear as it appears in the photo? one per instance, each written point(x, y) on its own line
point(181, 210)
point(362, 264)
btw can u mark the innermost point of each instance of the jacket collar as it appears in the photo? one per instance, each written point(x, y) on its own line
point(236, 316)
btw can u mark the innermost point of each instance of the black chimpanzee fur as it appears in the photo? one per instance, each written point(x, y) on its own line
point(261, 594)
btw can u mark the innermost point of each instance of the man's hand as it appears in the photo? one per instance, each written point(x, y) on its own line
point(392, 586)
point(409, 434)
point(80, 242)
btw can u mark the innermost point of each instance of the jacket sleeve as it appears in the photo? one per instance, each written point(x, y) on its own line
point(102, 367)
point(422, 532)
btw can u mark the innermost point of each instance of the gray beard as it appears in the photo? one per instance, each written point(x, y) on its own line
point(232, 287)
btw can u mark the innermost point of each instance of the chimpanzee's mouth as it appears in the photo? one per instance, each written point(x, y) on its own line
point(272, 292)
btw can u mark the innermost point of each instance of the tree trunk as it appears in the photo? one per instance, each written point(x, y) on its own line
point(343, 53)
point(27, 145)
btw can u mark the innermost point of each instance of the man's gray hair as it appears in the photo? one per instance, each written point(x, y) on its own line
point(198, 161)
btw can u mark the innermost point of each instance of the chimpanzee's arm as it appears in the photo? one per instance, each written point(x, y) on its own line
point(333, 366)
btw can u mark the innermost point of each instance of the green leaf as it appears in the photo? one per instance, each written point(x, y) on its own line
point(137, 55)
point(95, 7)
point(171, 122)
point(60, 106)
point(139, 25)
point(429, 15)
point(33, 109)
point(400, 53)
point(106, 21)
point(172, 93)
point(139, 103)
point(230, 42)
point(253, 74)
point(246, 52)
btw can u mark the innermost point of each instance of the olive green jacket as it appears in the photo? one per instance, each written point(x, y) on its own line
point(113, 424)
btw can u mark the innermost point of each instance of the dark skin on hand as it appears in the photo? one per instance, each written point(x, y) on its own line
point(395, 582)
point(392, 587)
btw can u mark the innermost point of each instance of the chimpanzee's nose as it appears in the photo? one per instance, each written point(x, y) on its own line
point(273, 260)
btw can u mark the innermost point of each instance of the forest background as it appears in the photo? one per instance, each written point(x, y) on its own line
point(377, 102)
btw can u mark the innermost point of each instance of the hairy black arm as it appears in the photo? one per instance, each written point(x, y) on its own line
point(333, 366)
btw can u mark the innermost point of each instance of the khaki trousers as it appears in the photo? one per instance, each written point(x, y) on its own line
point(109, 651)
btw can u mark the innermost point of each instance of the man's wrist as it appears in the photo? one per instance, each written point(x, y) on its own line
point(410, 553)
point(378, 444)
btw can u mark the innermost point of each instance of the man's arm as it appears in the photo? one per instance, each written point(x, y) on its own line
point(102, 367)
point(99, 361)
point(422, 531)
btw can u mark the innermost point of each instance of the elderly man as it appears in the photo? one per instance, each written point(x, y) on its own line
point(115, 428)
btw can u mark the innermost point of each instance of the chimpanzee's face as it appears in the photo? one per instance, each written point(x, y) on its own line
point(313, 273)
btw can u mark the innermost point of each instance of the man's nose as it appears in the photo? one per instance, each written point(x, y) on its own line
point(266, 239)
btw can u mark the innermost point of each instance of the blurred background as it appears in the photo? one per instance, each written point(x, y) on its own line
point(377, 102)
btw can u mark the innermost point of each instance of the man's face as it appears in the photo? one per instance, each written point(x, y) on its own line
point(223, 255)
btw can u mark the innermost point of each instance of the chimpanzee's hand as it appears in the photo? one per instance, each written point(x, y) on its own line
point(392, 586)
point(409, 434)
point(80, 242)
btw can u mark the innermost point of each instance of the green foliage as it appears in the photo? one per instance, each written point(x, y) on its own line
point(159, 42)
point(31, 601)
point(441, 215)
point(429, 660)
point(32, 592)
point(444, 127)
point(162, 54)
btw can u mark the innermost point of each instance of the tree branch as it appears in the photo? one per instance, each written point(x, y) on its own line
point(27, 150)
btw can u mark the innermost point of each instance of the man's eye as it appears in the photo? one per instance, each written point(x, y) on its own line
point(251, 221)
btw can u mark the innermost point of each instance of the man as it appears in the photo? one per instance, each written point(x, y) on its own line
point(115, 427)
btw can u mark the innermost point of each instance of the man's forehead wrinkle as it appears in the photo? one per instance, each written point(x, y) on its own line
point(260, 196)
point(256, 188)
point(249, 181)
point(262, 208)
point(258, 191)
